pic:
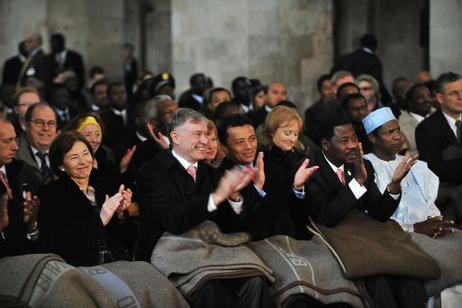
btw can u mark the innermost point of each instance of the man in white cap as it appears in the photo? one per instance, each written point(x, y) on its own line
point(417, 211)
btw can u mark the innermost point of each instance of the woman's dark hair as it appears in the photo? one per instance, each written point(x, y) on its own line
point(63, 144)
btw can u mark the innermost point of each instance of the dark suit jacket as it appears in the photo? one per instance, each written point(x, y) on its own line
point(11, 70)
point(73, 61)
point(433, 135)
point(287, 214)
point(170, 200)
point(115, 130)
point(71, 227)
point(36, 68)
point(331, 201)
point(19, 179)
point(187, 101)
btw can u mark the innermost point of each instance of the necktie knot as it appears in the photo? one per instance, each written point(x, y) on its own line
point(192, 170)
point(340, 175)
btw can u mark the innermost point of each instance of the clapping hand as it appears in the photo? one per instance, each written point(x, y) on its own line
point(303, 174)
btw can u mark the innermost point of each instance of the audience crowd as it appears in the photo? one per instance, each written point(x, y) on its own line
point(97, 170)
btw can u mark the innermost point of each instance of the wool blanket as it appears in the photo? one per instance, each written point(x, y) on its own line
point(45, 280)
point(364, 247)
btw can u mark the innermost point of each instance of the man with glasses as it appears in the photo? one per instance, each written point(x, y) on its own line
point(34, 145)
point(22, 100)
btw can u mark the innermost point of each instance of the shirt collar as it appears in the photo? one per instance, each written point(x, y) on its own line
point(452, 122)
point(140, 137)
point(35, 151)
point(198, 98)
point(3, 169)
point(417, 117)
point(183, 161)
point(122, 113)
point(334, 167)
point(368, 50)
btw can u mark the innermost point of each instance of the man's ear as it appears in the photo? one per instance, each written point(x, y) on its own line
point(439, 98)
point(174, 136)
point(325, 145)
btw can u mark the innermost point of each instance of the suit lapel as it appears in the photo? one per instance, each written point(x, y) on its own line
point(448, 132)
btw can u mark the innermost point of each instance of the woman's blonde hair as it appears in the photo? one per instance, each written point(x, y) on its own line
point(278, 117)
point(212, 128)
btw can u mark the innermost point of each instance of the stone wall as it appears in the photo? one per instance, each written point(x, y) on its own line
point(287, 41)
point(445, 42)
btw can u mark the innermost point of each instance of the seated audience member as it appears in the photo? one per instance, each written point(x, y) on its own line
point(23, 99)
point(193, 97)
point(258, 97)
point(282, 157)
point(340, 77)
point(154, 121)
point(419, 106)
point(99, 100)
point(60, 99)
point(90, 126)
point(116, 119)
point(225, 110)
point(18, 224)
point(242, 92)
point(417, 211)
point(77, 219)
point(163, 84)
point(178, 191)
point(214, 150)
point(212, 98)
point(354, 107)
point(41, 130)
point(399, 88)
point(369, 88)
point(95, 73)
point(438, 143)
point(345, 183)
point(325, 105)
point(266, 207)
point(276, 92)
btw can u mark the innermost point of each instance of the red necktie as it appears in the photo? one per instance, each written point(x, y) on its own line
point(9, 192)
point(192, 170)
point(340, 176)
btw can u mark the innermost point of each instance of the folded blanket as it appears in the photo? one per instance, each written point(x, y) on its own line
point(197, 256)
point(46, 281)
point(364, 246)
point(305, 267)
point(447, 252)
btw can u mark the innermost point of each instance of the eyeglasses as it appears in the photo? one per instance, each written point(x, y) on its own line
point(41, 123)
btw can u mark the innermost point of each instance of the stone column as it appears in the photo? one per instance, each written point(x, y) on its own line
point(445, 42)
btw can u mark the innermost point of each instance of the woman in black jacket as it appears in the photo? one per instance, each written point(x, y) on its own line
point(77, 218)
point(285, 170)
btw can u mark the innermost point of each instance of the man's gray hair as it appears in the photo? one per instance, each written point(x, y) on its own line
point(183, 115)
point(150, 109)
point(339, 75)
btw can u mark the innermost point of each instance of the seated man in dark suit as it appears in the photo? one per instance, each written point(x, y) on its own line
point(344, 183)
point(18, 224)
point(178, 191)
point(438, 140)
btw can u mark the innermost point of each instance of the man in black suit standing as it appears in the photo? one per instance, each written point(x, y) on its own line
point(62, 59)
point(344, 183)
point(178, 191)
point(34, 66)
point(438, 140)
point(364, 61)
point(12, 66)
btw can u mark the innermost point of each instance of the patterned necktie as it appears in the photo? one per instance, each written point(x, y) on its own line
point(340, 176)
point(3, 179)
point(44, 170)
point(458, 129)
point(192, 170)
